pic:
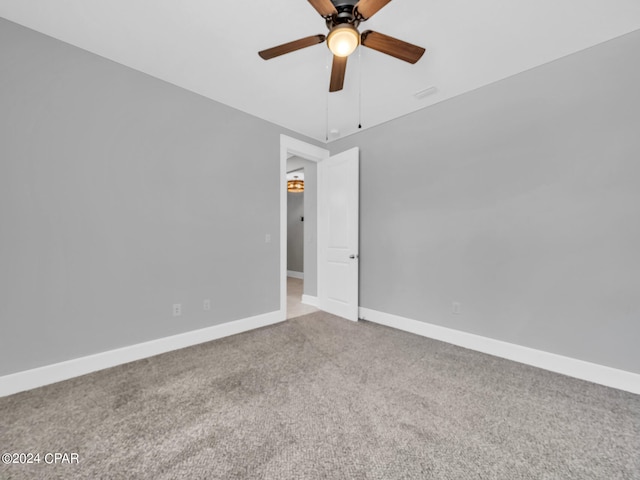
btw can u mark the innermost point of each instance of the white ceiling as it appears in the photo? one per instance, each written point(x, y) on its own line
point(210, 47)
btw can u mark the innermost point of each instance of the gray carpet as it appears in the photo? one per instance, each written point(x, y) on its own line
point(320, 397)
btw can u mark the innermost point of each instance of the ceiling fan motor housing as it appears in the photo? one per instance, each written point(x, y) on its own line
point(346, 14)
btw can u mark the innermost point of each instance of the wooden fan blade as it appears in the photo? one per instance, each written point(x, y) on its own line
point(324, 7)
point(291, 46)
point(338, 70)
point(367, 8)
point(391, 46)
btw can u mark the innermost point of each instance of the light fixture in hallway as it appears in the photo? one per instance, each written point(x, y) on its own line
point(295, 182)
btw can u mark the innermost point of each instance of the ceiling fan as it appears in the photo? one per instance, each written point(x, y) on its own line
point(342, 18)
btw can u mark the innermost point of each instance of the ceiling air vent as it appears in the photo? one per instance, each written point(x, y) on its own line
point(426, 92)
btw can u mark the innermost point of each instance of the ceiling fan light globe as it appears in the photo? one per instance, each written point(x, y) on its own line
point(343, 40)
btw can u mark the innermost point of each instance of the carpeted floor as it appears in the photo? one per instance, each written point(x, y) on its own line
point(320, 397)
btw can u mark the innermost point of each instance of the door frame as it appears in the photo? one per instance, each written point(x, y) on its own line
point(292, 146)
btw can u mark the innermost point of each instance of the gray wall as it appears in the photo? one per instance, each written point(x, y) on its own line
point(117, 200)
point(295, 231)
point(520, 200)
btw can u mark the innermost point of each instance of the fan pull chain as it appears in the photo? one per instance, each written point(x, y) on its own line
point(360, 87)
point(326, 131)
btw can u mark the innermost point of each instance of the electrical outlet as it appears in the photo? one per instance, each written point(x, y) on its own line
point(177, 309)
point(455, 308)
point(206, 305)
point(267, 238)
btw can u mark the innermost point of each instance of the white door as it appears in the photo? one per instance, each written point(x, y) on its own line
point(338, 219)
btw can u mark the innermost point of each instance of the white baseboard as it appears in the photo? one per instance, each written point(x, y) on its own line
point(592, 372)
point(310, 300)
point(291, 273)
point(37, 377)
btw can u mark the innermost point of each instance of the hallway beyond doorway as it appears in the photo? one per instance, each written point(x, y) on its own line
point(295, 307)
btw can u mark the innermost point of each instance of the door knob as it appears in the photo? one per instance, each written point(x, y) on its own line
point(353, 256)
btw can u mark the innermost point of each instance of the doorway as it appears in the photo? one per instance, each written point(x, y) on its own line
point(298, 155)
point(301, 235)
point(333, 287)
